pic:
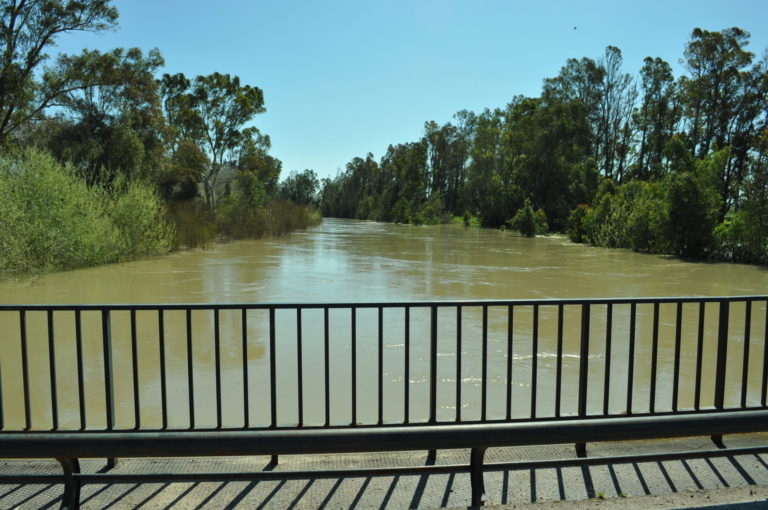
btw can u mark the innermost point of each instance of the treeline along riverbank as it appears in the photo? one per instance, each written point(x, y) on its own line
point(649, 162)
point(103, 159)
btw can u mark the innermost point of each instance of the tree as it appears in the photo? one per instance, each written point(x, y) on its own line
point(725, 100)
point(300, 188)
point(615, 105)
point(212, 111)
point(113, 124)
point(28, 29)
point(656, 118)
point(253, 157)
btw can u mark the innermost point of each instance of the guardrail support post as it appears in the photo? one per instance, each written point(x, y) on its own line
point(70, 500)
point(720, 363)
point(432, 454)
point(476, 477)
point(581, 448)
point(109, 380)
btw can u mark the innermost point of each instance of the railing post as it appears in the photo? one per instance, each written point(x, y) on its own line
point(432, 454)
point(720, 363)
point(70, 500)
point(476, 477)
point(109, 392)
point(581, 448)
point(2, 421)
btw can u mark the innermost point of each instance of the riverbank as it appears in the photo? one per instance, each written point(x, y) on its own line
point(52, 220)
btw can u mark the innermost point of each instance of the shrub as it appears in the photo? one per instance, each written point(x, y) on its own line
point(138, 213)
point(528, 222)
point(51, 220)
point(576, 223)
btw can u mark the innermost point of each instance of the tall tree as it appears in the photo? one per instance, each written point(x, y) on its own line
point(113, 123)
point(656, 117)
point(616, 102)
point(725, 102)
point(28, 29)
point(213, 111)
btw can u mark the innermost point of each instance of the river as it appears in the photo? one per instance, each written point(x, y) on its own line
point(356, 261)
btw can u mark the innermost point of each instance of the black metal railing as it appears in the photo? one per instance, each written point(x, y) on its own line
point(262, 366)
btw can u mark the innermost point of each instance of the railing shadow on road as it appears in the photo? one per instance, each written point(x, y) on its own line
point(514, 486)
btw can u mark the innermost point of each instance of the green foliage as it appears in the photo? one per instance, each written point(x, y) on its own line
point(577, 223)
point(468, 220)
point(51, 220)
point(247, 213)
point(138, 213)
point(193, 222)
point(529, 222)
point(693, 212)
point(212, 111)
point(28, 30)
point(300, 188)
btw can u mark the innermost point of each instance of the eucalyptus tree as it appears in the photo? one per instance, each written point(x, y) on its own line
point(112, 123)
point(213, 111)
point(28, 31)
point(725, 98)
point(656, 118)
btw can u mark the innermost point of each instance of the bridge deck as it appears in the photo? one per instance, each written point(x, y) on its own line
point(510, 487)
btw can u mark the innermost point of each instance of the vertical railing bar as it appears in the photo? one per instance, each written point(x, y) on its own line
point(354, 365)
point(581, 448)
point(510, 358)
point(135, 374)
point(678, 347)
point(722, 354)
point(458, 363)
point(699, 355)
point(433, 365)
point(631, 356)
point(52, 372)
point(484, 378)
point(299, 368)
point(326, 360)
point(559, 361)
point(584, 359)
point(106, 330)
point(654, 357)
point(407, 361)
point(381, 365)
point(608, 346)
point(765, 359)
point(190, 369)
point(244, 353)
point(80, 368)
point(217, 360)
point(534, 359)
point(745, 365)
point(25, 369)
point(2, 417)
point(272, 369)
point(163, 370)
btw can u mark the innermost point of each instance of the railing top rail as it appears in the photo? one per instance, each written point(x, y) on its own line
point(381, 304)
point(350, 439)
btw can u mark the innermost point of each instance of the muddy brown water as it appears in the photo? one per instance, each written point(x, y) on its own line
point(354, 261)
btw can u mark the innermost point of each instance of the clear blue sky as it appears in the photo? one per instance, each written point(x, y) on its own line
point(345, 78)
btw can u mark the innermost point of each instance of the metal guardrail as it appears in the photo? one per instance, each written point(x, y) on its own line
point(422, 338)
point(342, 371)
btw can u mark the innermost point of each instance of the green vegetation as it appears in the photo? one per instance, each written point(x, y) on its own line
point(51, 219)
point(652, 163)
point(102, 161)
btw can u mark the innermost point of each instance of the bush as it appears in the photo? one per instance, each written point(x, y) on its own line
point(577, 223)
point(528, 222)
point(138, 213)
point(51, 220)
